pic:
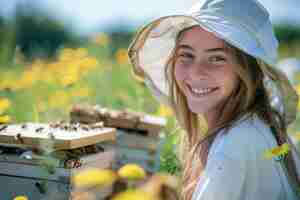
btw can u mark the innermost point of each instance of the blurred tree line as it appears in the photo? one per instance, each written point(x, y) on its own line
point(7, 40)
point(37, 34)
point(287, 33)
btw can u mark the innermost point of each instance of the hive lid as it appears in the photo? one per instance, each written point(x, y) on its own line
point(55, 136)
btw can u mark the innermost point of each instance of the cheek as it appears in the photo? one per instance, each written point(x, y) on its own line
point(179, 73)
point(230, 79)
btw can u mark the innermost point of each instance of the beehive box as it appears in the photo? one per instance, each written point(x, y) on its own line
point(26, 169)
point(138, 134)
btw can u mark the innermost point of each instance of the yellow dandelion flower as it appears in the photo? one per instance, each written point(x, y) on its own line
point(83, 195)
point(28, 78)
point(7, 82)
point(5, 119)
point(4, 104)
point(73, 66)
point(277, 151)
point(88, 63)
point(80, 53)
point(20, 198)
point(132, 171)
point(94, 177)
point(101, 39)
point(135, 194)
point(58, 67)
point(69, 79)
point(164, 111)
point(122, 56)
point(47, 76)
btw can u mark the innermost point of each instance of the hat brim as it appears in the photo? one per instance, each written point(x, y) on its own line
point(153, 45)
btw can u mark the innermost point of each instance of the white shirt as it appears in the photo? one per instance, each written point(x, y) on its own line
point(236, 169)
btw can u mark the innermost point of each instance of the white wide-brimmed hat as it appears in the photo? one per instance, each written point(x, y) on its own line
point(244, 24)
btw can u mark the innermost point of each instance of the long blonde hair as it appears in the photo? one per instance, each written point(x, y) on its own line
point(249, 97)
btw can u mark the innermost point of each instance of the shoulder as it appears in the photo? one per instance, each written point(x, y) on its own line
point(243, 140)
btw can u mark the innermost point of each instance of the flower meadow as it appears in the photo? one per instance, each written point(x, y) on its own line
point(44, 90)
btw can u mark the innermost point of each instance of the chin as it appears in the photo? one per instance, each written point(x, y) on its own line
point(197, 110)
point(205, 107)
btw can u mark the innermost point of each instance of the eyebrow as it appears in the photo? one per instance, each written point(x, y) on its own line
point(184, 46)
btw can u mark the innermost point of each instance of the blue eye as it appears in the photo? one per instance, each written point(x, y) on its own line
point(217, 59)
point(186, 55)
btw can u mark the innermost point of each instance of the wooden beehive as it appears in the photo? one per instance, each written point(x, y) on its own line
point(59, 135)
point(138, 139)
point(38, 160)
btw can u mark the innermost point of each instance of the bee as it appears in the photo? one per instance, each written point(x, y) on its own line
point(54, 125)
point(19, 138)
point(97, 125)
point(3, 127)
point(39, 129)
point(51, 135)
point(24, 126)
point(85, 127)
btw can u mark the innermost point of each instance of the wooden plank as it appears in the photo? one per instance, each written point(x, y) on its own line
point(107, 134)
point(142, 154)
point(118, 118)
point(14, 167)
point(136, 141)
point(12, 186)
point(33, 171)
point(54, 138)
point(101, 160)
point(12, 158)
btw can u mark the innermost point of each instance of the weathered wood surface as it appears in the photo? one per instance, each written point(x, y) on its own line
point(22, 171)
point(125, 119)
point(31, 168)
point(41, 135)
point(136, 141)
point(12, 186)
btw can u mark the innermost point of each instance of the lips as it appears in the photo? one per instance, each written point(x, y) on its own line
point(204, 92)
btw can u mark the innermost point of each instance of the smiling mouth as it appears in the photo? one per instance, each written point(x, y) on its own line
point(202, 93)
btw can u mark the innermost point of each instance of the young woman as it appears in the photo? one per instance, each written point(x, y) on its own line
point(217, 62)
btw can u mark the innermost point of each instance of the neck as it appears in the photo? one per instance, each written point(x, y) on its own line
point(211, 118)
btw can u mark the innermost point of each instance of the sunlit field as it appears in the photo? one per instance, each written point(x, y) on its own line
point(44, 90)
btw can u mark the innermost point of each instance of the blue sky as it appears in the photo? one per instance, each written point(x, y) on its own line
point(86, 15)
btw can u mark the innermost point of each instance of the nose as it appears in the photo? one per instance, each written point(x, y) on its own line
point(198, 71)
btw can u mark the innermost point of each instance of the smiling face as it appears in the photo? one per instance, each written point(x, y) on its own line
point(205, 71)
